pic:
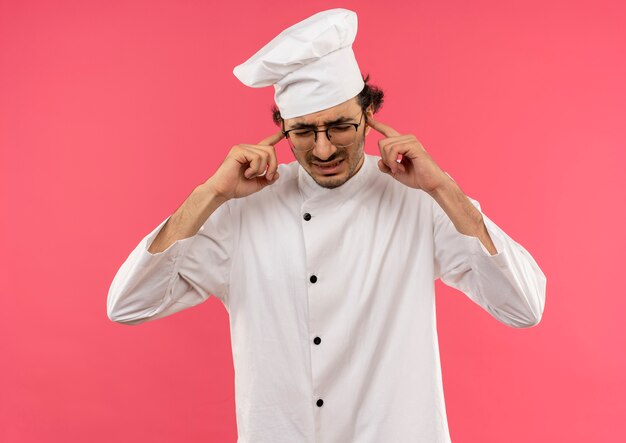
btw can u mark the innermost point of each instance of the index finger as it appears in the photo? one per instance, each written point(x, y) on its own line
point(384, 129)
point(272, 139)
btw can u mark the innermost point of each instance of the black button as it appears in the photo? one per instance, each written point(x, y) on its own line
point(313, 279)
point(320, 402)
point(307, 216)
point(317, 340)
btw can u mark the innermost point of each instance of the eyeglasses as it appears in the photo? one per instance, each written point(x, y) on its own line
point(341, 135)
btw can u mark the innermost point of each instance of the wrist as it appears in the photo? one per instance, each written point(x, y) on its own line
point(446, 187)
point(207, 191)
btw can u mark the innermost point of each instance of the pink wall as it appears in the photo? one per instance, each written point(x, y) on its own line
point(111, 112)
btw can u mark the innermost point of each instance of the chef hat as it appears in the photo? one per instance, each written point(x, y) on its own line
point(311, 64)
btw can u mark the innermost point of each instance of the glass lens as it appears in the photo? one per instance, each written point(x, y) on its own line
point(302, 140)
point(342, 135)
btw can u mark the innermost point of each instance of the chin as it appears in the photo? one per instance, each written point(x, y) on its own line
point(328, 181)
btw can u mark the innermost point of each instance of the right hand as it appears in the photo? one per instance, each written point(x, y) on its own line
point(241, 172)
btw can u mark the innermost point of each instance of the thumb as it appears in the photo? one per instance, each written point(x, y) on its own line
point(383, 167)
point(263, 181)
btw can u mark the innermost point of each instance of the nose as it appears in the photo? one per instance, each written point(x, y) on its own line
point(323, 147)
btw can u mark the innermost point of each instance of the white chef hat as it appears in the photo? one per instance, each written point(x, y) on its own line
point(311, 64)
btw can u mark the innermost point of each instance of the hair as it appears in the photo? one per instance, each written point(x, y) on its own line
point(369, 95)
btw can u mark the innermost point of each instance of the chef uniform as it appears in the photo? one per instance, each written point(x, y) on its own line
point(331, 299)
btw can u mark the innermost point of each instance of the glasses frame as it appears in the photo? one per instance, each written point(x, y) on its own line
point(356, 131)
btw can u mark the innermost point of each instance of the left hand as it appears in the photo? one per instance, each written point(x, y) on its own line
point(417, 169)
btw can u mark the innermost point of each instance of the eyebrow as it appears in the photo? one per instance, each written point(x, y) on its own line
point(341, 119)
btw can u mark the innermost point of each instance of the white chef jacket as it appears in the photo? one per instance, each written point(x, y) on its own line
point(331, 301)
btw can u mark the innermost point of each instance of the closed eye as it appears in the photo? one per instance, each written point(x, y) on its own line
point(341, 128)
point(302, 133)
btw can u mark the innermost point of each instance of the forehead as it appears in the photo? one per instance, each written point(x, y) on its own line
point(347, 109)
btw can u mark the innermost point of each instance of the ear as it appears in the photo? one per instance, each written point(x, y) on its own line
point(369, 112)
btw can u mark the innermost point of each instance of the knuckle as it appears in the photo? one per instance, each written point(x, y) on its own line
point(271, 152)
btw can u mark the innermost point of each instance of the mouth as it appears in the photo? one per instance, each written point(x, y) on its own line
point(328, 168)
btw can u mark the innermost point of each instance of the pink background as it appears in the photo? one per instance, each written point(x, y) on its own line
point(111, 112)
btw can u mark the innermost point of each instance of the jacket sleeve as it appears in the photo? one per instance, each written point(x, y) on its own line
point(509, 285)
point(149, 286)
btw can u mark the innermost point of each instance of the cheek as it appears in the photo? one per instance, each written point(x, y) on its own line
point(298, 156)
point(302, 158)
